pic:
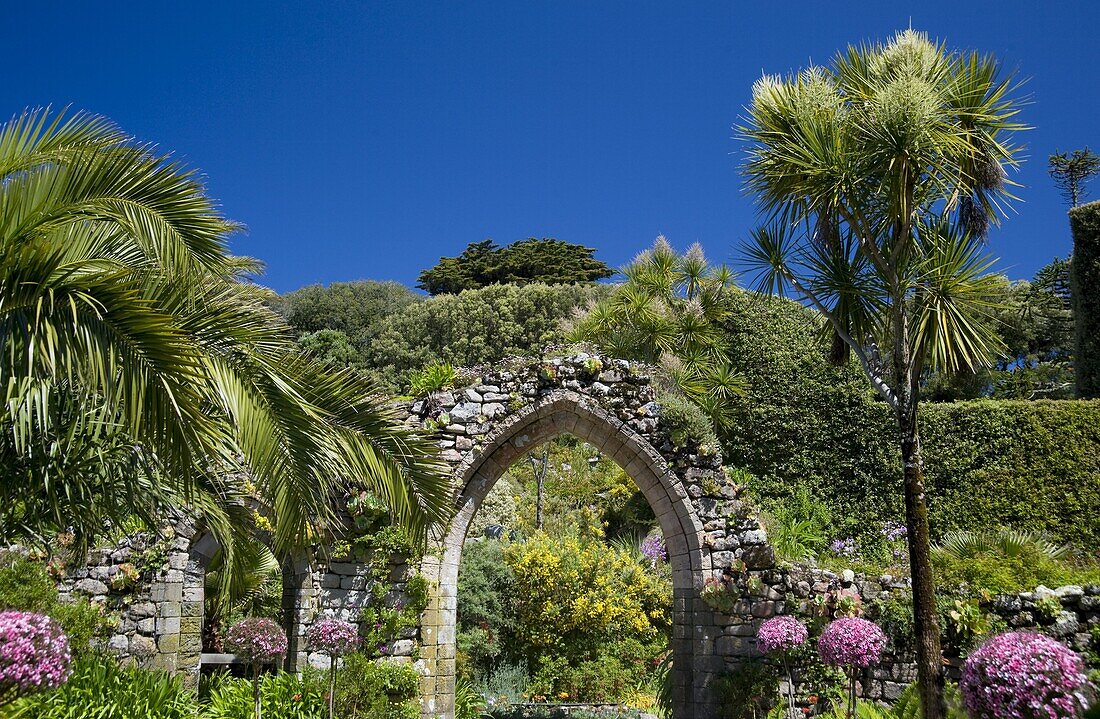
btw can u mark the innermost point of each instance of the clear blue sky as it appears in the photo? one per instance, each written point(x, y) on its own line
point(364, 140)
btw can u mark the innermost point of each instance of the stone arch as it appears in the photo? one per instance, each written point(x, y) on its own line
point(191, 595)
point(610, 404)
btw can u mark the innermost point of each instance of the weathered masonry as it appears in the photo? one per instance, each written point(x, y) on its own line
point(724, 576)
point(610, 404)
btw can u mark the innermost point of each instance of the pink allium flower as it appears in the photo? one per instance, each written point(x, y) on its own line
point(1023, 675)
point(257, 640)
point(34, 654)
point(333, 637)
point(781, 634)
point(851, 642)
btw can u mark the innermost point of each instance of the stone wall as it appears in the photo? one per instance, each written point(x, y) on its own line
point(142, 581)
point(725, 578)
point(1067, 613)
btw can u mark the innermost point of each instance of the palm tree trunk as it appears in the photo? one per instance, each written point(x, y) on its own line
point(930, 677)
point(925, 616)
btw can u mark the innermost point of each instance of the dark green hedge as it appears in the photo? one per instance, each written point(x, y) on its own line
point(803, 422)
point(1033, 465)
point(1085, 289)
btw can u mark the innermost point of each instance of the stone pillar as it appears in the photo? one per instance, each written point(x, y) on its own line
point(298, 610)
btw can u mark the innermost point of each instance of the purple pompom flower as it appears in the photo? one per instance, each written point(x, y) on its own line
point(257, 640)
point(781, 634)
point(851, 642)
point(854, 644)
point(34, 655)
point(1023, 675)
point(333, 637)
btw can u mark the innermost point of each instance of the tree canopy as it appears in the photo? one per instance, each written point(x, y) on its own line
point(354, 308)
point(141, 369)
point(1072, 171)
point(546, 260)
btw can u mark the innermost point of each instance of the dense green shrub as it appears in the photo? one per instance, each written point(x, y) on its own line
point(102, 688)
point(486, 612)
point(686, 422)
point(282, 696)
point(748, 692)
point(803, 423)
point(353, 308)
point(995, 573)
point(473, 327)
point(25, 585)
point(1029, 465)
point(1085, 283)
point(366, 689)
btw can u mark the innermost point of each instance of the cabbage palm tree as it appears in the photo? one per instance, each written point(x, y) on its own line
point(880, 175)
point(141, 369)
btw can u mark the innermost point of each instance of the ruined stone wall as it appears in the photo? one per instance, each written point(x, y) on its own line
point(149, 583)
point(1067, 613)
point(724, 572)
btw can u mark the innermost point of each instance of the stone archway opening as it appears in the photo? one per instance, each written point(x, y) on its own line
point(556, 414)
point(593, 523)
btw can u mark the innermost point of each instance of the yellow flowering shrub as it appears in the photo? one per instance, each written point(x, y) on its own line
point(573, 591)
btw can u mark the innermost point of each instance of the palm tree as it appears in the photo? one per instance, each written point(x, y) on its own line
point(670, 311)
point(880, 175)
point(141, 369)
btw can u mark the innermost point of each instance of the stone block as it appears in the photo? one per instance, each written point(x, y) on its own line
point(142, 646)
point(168, 625)
point(144, 609)
point(91, 587)
point(168, 643)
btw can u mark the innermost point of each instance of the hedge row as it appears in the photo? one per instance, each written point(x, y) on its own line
point(1015, 463)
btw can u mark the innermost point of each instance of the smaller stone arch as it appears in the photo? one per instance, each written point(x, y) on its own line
point(189, 585)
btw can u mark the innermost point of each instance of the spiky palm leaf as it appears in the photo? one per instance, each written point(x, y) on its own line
point(879, 149)
point(1002, 542)
point(118, 296)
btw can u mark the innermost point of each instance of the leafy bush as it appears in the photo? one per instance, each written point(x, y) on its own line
point(473, 327)
point(469, 704)
point(686, 423)
point(1002, 542)
point(747, 692)
point(282, 695)
point(26, 586)
point(1085, 281)
point(102, 688)
point(354, 309)
point(376, 690)
point(578, 595)
point(799, 529)
point(997, 573)
point(608, 675)
point(486, 614)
